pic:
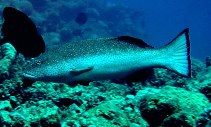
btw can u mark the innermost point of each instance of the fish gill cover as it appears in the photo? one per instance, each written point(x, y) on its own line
point(165, 99)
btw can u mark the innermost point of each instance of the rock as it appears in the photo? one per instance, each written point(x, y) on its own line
point(205, 118)
point(41, 113)
point(8, 54)
point(5, 118)
point(173, 106)
point(208, 61)
point(5, 105)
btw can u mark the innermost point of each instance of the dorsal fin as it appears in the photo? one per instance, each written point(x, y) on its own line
point(134, 41)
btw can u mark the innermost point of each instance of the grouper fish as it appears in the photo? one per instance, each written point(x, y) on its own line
point(109, 58)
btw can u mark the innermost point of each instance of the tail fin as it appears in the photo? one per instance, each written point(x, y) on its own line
point(178, 51)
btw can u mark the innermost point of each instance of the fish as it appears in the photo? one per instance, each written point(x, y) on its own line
point(19, 30)
point(81, 18)
point(122, 57)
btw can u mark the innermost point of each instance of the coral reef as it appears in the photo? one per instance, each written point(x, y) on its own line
point(205, 118)
point(172, 106)
point(105, 103)
point(8, 55)
point(55, 104)
point(208, 61)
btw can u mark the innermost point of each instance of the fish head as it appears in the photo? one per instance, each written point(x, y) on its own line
point(40, 69)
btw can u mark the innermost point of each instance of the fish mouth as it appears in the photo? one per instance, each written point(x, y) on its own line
point(29, 76)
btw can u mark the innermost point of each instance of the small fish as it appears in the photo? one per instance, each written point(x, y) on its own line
point(81, 18)
point(19, 30)
point(121, 57)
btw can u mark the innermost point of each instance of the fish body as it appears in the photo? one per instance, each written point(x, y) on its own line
point(109, 58)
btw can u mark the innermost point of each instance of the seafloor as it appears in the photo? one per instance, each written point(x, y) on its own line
point(163, 100)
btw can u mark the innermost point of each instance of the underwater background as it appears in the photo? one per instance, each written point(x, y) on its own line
point(163, 100)
point(165, 18)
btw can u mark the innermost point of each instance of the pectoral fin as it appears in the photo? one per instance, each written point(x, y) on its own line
point(78, 71)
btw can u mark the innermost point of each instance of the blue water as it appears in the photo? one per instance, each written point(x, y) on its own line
point(166, 18)
point(161, 20)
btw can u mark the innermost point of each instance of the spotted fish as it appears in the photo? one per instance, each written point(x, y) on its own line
point(121, 57)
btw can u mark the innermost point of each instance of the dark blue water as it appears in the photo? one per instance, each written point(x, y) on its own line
point(161, 20)
point(164, 19)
